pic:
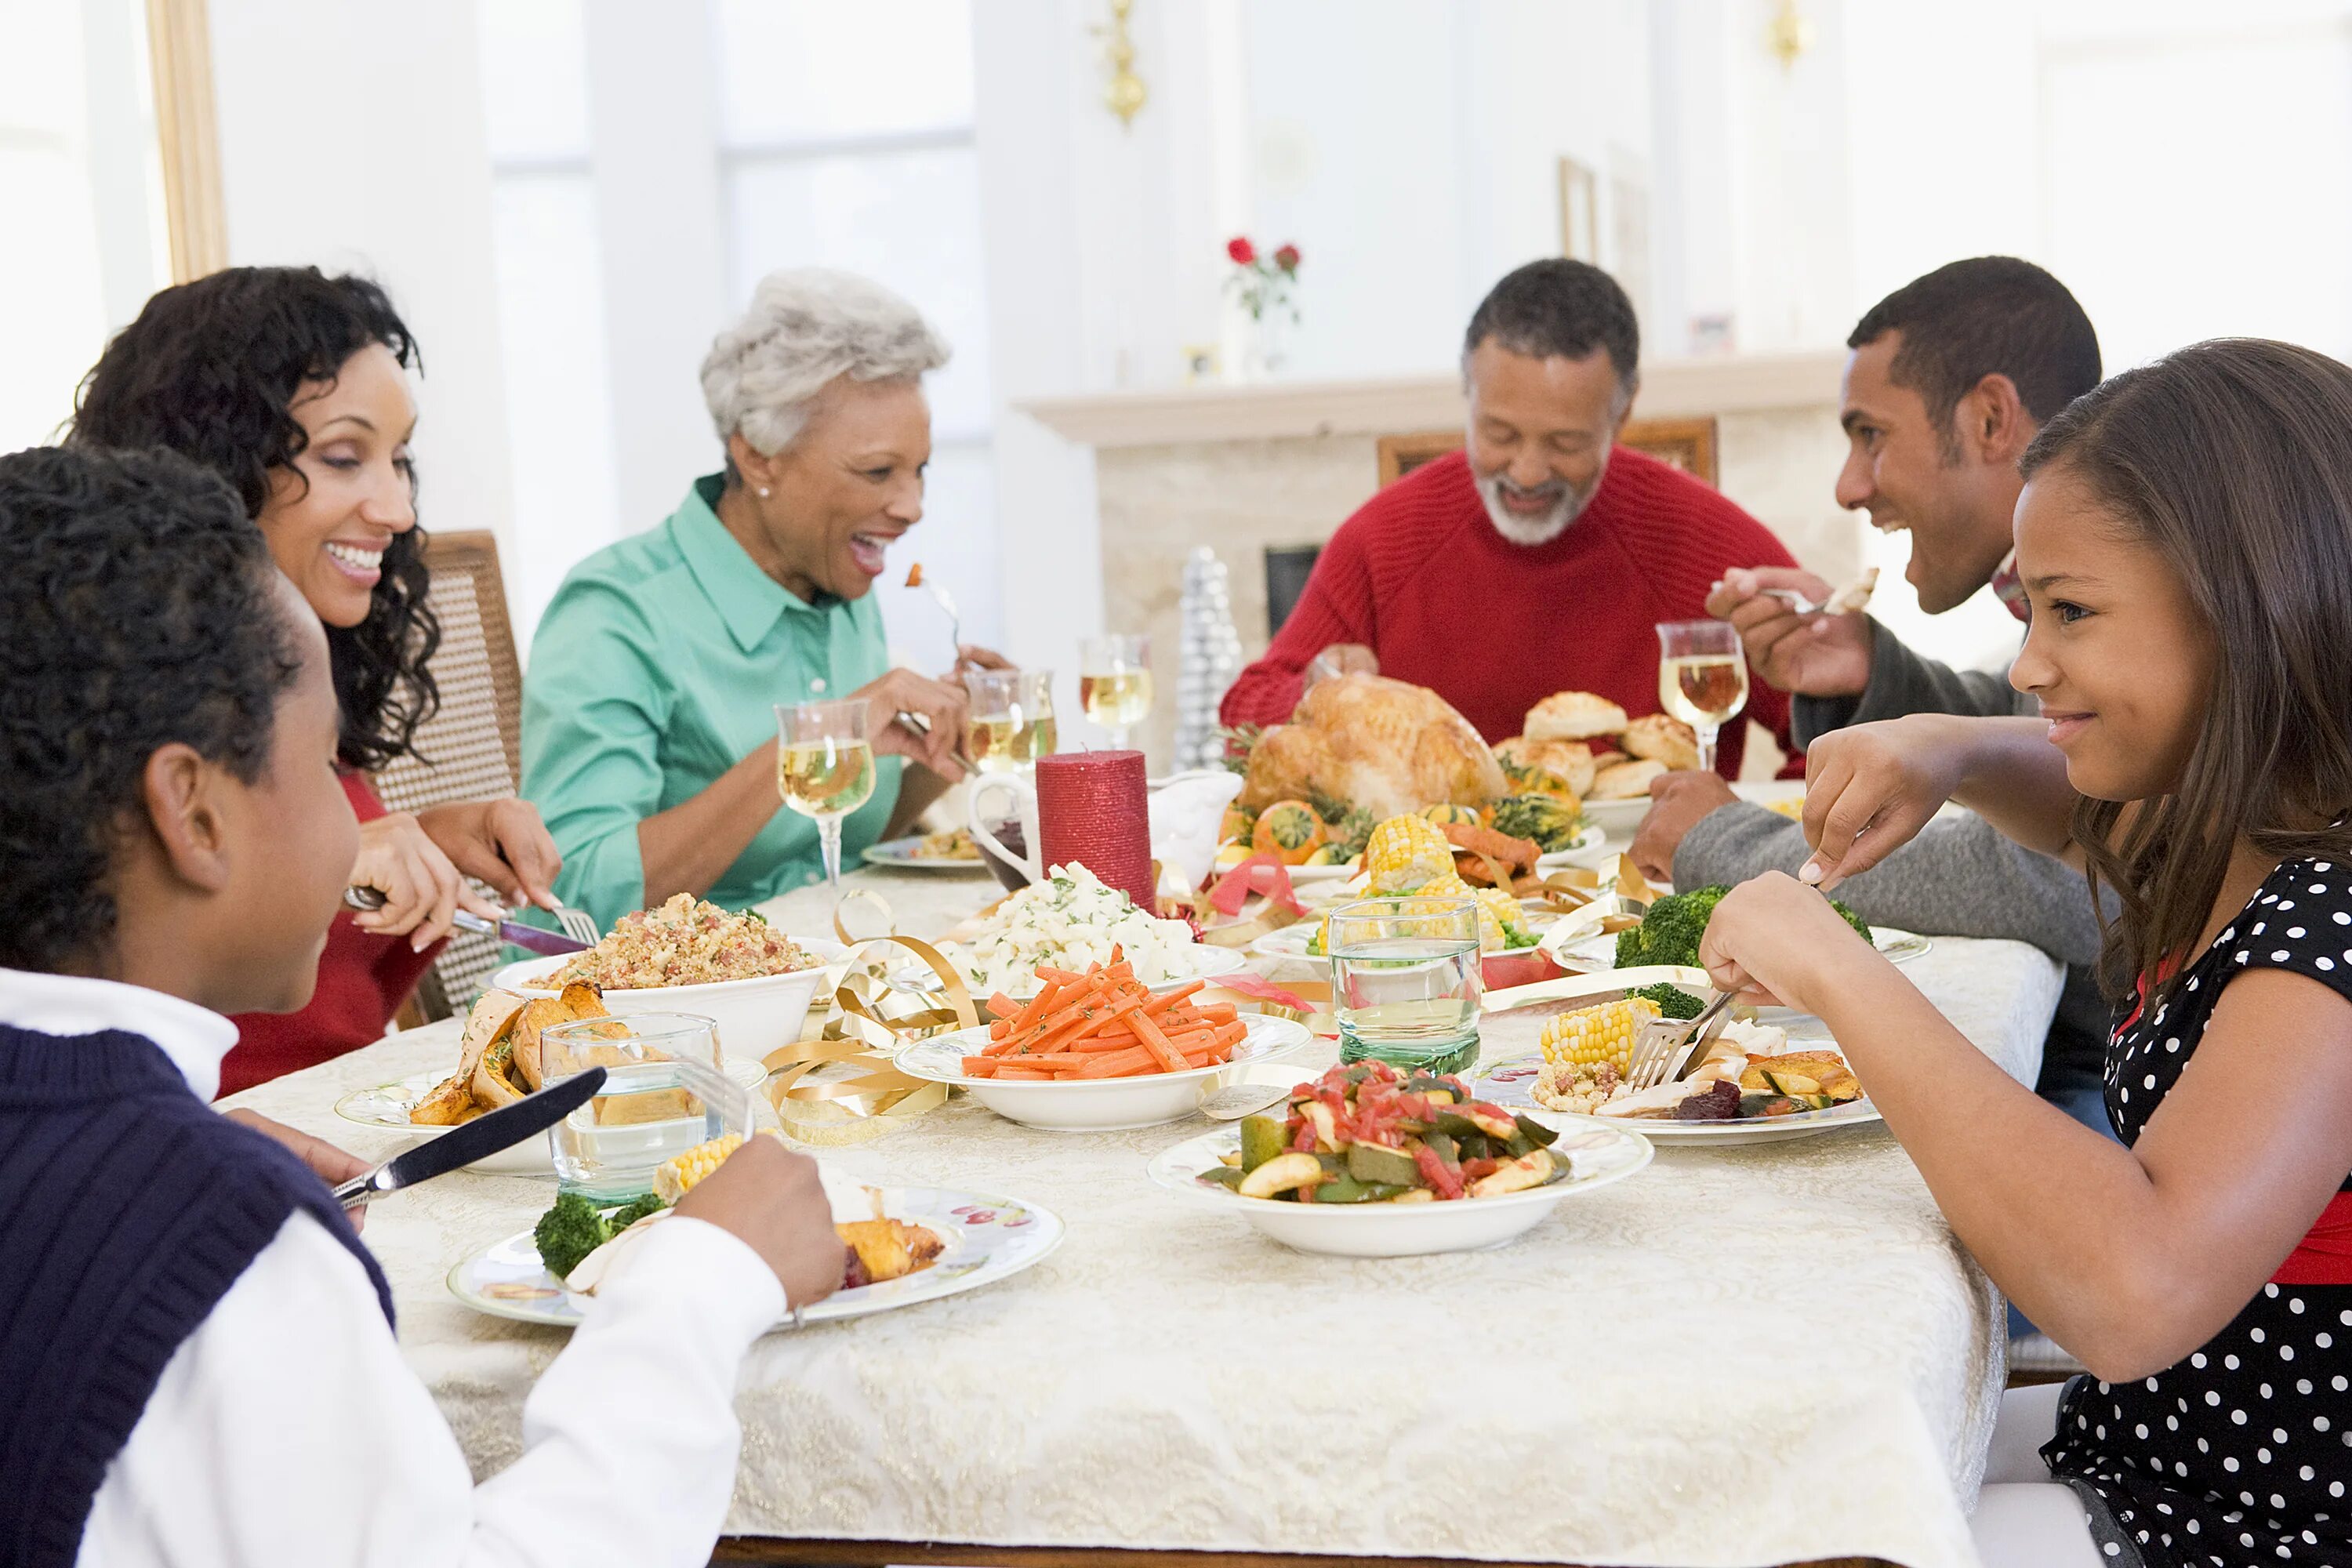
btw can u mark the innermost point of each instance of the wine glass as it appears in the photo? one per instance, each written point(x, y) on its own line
point(1039, 735)
point(994, 734)
point(825, 769)
point(1115, 683)
point(1702, 679)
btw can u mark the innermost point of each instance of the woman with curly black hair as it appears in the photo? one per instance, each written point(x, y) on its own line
point(292, 385)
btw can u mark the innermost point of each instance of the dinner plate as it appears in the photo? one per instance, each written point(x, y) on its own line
point(1598, 1155)
point(1590, 849)
point(1292, 940)
point(1103, 1105)
point(1511, 1085)
point(899, 855)
point(1601, 950)
point(385, 1106)
point(987, 1237)
point(1620, 819)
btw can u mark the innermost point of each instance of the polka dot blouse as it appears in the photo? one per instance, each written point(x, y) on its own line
point(2242, 1452)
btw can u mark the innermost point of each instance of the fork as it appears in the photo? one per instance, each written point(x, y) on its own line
point(955, 622)
point(1667, 1046)
point(1797, 604)
point(578, 925)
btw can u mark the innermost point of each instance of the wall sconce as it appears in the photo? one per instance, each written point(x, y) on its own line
point(1790, 34)
point(1126, 94)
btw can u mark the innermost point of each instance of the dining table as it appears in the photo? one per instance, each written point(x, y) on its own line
point(1773, 1354)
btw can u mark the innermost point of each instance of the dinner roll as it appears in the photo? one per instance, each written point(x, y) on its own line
point(1626, 779)
point(1572, 760)
point(1669, 740)
point(1574, 716)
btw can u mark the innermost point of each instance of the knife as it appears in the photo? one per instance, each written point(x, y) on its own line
point(553, 945)
point(471, 1141)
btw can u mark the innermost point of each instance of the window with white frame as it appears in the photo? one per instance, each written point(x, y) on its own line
point(844, 138)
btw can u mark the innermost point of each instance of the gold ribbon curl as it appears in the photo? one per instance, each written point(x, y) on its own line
point(868, 1020)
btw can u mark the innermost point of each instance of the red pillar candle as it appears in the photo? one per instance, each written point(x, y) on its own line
point(1091, 812)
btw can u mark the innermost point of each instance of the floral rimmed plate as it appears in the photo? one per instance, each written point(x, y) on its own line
point(988, 1237)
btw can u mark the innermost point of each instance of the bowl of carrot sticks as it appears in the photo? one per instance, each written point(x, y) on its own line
point(1100, 1052)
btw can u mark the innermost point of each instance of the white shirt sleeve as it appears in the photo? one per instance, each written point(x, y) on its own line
point(288, 1428)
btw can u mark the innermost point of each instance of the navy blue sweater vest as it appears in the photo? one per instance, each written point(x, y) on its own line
point(127, 1207)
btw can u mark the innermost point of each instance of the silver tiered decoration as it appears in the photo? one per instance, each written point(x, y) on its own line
point(1209, 657)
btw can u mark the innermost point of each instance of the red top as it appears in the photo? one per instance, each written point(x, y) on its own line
point(363, 978)
point(1420, 575)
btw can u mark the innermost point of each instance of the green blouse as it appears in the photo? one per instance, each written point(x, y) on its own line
point(656, 668)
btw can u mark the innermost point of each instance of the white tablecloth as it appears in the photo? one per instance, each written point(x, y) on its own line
point(1759, 1355)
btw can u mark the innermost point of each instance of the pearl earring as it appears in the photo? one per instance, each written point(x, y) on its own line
point(763, 491)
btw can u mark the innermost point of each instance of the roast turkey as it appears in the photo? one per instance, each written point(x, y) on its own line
point(1383, 745)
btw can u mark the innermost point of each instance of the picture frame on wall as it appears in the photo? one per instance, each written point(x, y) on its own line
point(1580, 212)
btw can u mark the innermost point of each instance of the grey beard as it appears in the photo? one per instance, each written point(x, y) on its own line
point(1520, 530)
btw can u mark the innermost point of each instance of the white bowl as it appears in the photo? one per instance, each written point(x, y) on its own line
point(1107, 1105)
point(754, 1016)
point(384, 1109)
point(1197, 961)
point(1597, 1156)
point(1618, 818)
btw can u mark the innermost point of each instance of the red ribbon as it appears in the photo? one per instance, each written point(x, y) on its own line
point(1263, 990)
point(2325, 1254)
point(1261, 874)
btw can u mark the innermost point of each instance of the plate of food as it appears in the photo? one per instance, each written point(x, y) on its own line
point(1758, 1083)
point(1670, 925)
point(905, 1246)
point(1100, 1052)
point(1071, 921)
point(686, 956)
point(1369, 1160)
point(497, 1062)
point(950, 851)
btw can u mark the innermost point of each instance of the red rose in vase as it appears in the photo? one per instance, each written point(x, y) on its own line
point(1241, 250)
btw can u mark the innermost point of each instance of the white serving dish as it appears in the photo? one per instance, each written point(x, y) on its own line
point(1109, 1105)
point(1598, 1156)
point(1591, 850)
point(988, 1237)
point(754, 1016)
point(384, 1109)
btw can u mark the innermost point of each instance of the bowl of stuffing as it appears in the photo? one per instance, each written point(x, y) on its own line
point(686, 956)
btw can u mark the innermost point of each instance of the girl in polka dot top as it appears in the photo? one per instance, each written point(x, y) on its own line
point(2186, 538)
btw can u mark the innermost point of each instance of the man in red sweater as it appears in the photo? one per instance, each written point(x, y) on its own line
point(1541, 558)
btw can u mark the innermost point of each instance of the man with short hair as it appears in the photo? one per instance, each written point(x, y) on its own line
point(1949, 378)
point(1542, 557)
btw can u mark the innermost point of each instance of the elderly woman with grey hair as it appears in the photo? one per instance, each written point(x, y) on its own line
point(648, 723)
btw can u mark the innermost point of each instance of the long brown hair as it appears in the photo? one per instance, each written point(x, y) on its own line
point(2234, 458)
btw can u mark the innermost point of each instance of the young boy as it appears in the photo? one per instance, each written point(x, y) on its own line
point(196, 1356)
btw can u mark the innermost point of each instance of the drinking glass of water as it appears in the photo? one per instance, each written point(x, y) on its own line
point(610, 1148)
point(1702, 679)
point(1404, 981)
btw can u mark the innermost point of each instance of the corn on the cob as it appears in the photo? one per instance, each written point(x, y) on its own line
point(679, 1174)
point(1406, 852)
point(1602, 1033)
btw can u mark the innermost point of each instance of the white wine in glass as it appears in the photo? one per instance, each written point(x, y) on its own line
point(1702, 679)
point(825, 769)
point(1115, 683)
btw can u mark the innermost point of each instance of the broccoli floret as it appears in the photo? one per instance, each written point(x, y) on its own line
point(575, 1228)
point(1852, 919)
point(1673, 1001)
point(628, 1213)
point(1671, 927)
point(1629, 948)
point(568, 1233)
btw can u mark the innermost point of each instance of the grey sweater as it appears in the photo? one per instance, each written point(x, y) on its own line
point(1955, 878)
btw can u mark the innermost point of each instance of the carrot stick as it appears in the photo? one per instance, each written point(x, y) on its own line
point(1118, 1064)
point(1036, 1007)
point(1220, 1012)
point(1157, 1043)
point(1167, 999)
point(1058, 976)
point(1021, 1074)
point(979, 1067)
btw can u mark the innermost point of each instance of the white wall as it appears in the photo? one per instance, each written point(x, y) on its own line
point(352, 138)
